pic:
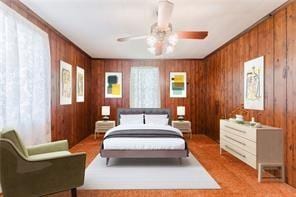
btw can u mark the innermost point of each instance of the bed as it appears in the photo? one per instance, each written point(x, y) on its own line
point(143, 140)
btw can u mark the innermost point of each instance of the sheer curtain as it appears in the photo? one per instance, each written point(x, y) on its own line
point(144, 87)
point(24, 78)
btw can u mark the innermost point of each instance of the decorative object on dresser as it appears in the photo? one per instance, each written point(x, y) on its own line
point(105, 112)
point(183, 125)
point(103, 125)
point(180, 112)
point(260, 148)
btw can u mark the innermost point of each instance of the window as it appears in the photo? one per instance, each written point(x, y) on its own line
point(144, 87)
point(24, 77)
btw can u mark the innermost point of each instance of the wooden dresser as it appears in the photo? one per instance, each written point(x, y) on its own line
point(254, 146)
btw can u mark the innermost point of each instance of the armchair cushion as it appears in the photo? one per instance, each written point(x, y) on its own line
point(48, 147)
point(14, 138)
point(51, 155)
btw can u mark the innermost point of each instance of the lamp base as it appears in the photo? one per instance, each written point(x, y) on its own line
point(181, 118)
point(105, 118)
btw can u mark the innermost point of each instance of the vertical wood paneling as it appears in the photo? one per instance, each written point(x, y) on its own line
point(280, 76)
point(291, 93)
point(265, 48)
point(275, 39)
point(193, 68)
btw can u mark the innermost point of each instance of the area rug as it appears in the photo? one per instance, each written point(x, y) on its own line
point(155, 173)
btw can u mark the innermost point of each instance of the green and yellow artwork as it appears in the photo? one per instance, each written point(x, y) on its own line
point(178, 84)
point(113, 85)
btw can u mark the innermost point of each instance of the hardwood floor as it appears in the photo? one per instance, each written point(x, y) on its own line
point(235, 177)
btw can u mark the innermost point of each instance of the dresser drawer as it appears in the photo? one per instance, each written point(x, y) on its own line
point(239, 141)
point(239, 153)
point(240, 130)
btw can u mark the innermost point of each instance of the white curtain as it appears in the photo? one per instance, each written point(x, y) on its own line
point(144, 87)
point(24, 78)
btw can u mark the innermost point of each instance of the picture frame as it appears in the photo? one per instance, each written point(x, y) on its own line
point(178, 84)
point(65, 83)
point(80, 84)
point(113, 84)
point(254, 84)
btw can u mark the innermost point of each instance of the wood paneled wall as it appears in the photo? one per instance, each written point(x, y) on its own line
point(215, 85)
point(275, 39)
point(194, 102)
point(68, 121)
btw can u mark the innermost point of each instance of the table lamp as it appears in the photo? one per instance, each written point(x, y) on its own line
point(105, 112)
point(181, 112)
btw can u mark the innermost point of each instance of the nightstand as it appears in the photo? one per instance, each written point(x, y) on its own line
point(184, 126)
point(103, 125)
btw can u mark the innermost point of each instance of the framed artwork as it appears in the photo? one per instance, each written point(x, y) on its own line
point(113, 84)
point(178, 84)
point(65, 83)
point(79, 84)
point(254, 84)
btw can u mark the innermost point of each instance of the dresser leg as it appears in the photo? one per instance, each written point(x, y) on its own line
point(260, 172)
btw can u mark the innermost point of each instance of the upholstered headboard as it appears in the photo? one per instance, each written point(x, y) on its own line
point(143, 111)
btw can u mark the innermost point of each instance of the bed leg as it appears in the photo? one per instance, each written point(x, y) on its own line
point(107, 161)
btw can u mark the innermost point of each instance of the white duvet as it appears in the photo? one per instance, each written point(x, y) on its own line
point(125, 143)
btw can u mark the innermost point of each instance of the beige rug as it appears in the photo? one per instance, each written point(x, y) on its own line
point(147, 174)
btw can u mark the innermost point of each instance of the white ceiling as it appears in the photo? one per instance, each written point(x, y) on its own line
point(94, 25)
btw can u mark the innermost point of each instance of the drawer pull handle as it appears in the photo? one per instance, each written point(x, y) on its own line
point(235, 151)
point(235, 129)
point(235, 140)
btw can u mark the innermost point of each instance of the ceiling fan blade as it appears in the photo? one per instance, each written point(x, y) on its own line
point(192, 34)
point(165, 9)
point(131, 38)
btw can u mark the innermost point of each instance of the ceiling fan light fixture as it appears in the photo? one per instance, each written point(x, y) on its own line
point(151, 40)
point(152, 50)
point(169, 49)
point(173, 39)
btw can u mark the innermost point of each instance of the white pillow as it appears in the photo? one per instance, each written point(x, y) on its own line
point(156, 119)
point(128, 119)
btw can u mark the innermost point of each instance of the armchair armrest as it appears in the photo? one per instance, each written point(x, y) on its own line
point(61, 145)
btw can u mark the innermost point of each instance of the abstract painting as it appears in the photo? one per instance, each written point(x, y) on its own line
point(80, 84)
point(65, 83)
point(178, 84)
point(254, 84)
point(113, 84)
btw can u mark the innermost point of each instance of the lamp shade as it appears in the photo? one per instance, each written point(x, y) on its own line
point(105, 110)
point(180, 110)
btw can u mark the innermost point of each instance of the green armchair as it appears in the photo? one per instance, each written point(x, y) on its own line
point(38, 170)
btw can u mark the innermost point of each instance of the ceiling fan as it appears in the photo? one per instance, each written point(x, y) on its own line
point(162, 39)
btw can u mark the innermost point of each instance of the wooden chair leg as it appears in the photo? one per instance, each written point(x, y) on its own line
point(107, 161)
point(74, 192)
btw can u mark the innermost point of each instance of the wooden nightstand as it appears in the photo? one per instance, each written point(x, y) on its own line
point(103, 125)
point(184, 126)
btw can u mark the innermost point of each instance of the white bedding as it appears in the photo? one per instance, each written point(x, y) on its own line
point(144, 143)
